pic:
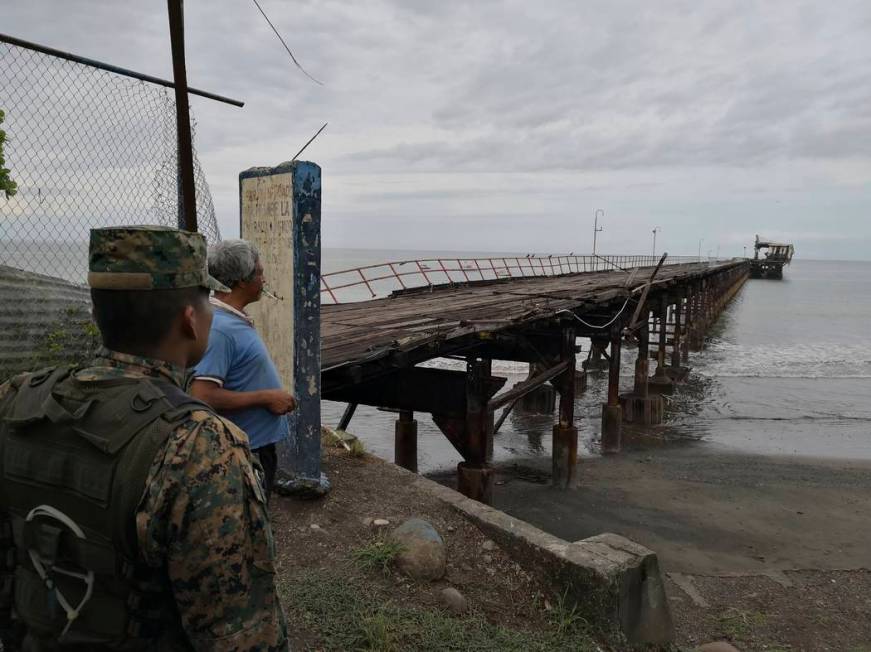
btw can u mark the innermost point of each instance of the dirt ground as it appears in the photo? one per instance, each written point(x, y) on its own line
point(767, 554)
point(333, 603)
point(770, 553)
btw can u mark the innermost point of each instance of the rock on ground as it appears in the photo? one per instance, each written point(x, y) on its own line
point(454, 600)
point(718, 646)
point(423, 554)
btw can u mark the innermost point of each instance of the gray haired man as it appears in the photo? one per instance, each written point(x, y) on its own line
point(236, 376)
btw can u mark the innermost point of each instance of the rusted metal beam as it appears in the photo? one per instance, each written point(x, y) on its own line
point(417, 389)
point(347, 415)
point(405, 441)
point(565, 434)
point(634, 321)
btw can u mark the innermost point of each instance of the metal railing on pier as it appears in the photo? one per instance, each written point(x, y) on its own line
point(372, 281)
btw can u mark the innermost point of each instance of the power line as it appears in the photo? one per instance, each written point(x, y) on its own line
point(257, 4)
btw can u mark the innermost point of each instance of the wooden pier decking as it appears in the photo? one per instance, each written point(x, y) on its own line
point(361, 332)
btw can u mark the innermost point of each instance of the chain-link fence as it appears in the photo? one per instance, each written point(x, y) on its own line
point(87, 147)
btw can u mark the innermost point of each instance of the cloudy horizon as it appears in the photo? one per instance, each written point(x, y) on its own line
point(503, 126)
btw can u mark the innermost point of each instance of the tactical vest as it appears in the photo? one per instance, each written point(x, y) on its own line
point(75, 456)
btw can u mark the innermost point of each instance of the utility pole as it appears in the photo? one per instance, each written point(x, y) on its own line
point(701, 240)
point(596, 227)
point(187, 217)
point(655, 229)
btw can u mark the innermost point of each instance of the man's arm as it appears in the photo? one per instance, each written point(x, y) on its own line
point(203, 518)
point(276, 401)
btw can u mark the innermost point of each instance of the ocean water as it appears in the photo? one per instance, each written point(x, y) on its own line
point(786, 371)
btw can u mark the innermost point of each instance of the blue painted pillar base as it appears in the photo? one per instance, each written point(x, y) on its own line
point(301, 487)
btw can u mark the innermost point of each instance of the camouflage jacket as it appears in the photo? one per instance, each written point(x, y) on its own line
point(202, 520)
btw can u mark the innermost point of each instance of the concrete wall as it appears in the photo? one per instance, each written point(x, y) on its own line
point(44, 321)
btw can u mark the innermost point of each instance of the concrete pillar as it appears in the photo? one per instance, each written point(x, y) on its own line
point(612, 413)
point(405, 441)
point(280, 213)
point(565, 434)
point(475, 482)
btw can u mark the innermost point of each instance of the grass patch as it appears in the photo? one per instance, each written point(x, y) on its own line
point(346, 613)
point(378, 555)
point(737, 624)
point(566, 618)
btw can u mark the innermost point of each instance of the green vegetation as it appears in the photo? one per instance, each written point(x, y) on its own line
point(566, 616)
point(7, 185)
point(343, 612)
point(377, 555)
point(737, 624)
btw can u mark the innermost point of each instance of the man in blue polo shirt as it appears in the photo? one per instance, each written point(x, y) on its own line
point(236, 375)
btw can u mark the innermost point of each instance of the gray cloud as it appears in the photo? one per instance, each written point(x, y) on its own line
point(698, 116)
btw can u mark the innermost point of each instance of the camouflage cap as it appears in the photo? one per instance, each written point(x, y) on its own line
point(148, 258)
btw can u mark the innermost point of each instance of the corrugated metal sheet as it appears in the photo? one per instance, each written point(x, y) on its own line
point(43, 321)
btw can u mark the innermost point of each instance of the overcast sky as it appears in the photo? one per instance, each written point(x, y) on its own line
point(503, 125)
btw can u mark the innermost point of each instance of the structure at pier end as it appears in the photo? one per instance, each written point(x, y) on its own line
point(776, 255)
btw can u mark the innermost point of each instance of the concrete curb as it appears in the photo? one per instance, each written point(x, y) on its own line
point(615, 583)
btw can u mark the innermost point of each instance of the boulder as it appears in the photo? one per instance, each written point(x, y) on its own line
point(423, 555)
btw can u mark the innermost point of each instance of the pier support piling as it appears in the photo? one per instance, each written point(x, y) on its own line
point(475, 476)
point(661, 383)
point(612, 413)
point(405, 441)
point(541, 400)
point(639, 406)
point(597, 359)
point(565, 434)
point(677, 372)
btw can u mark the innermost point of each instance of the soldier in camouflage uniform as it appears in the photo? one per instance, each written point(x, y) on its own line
point(132, 517)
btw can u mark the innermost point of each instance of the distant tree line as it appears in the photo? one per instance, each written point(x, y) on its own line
point(7, 185)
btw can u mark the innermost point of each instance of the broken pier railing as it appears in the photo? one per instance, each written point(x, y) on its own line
point(371, 281)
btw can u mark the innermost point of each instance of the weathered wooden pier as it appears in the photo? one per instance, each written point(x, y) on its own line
point(371, 350)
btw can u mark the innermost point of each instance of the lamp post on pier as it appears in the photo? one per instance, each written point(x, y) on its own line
point(701, 240)
point(596, 227)
point(655, 229)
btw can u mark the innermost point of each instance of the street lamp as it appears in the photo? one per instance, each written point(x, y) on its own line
point(596, 227)
point(655, 229)
point(701, 240)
